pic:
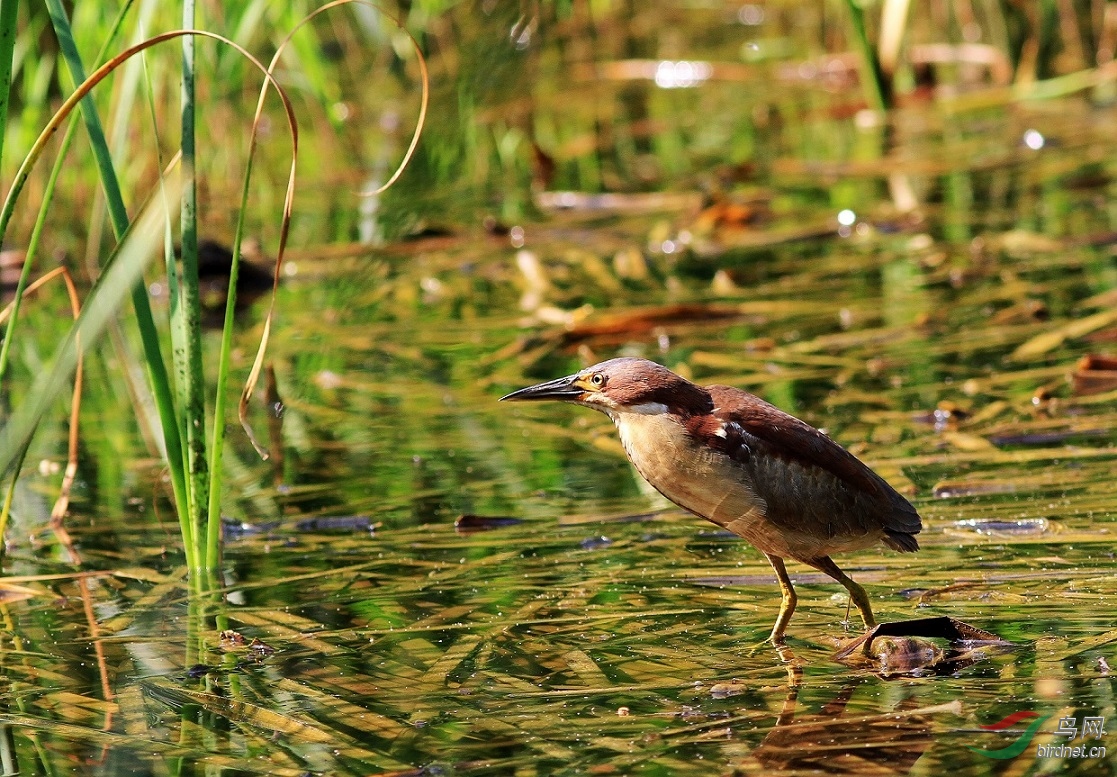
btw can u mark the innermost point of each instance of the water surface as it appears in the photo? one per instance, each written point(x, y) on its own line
point(604, 631)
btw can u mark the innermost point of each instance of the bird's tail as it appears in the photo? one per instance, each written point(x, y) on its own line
point(901, 541)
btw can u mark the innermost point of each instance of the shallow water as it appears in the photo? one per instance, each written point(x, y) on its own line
point(603, 631)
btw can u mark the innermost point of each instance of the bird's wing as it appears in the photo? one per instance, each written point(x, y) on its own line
point(789, 438)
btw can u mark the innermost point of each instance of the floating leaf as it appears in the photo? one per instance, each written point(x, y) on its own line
point(474, 523)
point(947, 628)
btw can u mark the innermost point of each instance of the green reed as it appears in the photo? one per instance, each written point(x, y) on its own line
point(176, 375)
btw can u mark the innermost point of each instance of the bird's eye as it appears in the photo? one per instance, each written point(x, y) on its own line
point(597, 379)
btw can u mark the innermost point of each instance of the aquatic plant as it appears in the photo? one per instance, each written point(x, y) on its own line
point(178, 390)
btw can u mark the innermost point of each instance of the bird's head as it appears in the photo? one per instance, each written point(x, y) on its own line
point(624, 385)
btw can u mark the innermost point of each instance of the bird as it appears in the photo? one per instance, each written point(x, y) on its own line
point(737, 461)
point(215, 263)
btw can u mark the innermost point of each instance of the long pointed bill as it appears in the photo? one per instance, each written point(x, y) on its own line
point(561, 388)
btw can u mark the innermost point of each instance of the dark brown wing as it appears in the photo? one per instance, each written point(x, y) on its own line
point(748, 422)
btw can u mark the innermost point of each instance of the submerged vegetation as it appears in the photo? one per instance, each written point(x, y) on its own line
point(417, 580)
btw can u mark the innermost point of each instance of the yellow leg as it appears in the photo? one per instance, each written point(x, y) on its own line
point(787, 607)
point(856, 593)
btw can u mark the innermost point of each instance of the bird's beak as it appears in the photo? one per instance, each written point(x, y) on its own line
point(565, 389)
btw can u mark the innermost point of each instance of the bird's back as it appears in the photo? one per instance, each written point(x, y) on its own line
point(819, 495)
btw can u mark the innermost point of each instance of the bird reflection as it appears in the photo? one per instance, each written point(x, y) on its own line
point(837, 740)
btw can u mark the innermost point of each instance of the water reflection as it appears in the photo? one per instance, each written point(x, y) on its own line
point(839, 740)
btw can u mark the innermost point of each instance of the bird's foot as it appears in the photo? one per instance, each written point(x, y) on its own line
point(786, 655)
point(763, 645)
point(777, 644)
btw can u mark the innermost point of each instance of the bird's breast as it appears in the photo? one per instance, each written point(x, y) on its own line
point(690, 475)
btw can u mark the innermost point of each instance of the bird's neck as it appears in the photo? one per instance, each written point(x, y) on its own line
point(656, 442)
point(691, 475)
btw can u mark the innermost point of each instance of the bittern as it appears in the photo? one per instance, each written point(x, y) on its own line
point(733, 459)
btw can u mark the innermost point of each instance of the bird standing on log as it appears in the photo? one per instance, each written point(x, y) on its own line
point(733, 459)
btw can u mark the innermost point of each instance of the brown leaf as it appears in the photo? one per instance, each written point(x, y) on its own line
point(942, 627)
point(466, 524)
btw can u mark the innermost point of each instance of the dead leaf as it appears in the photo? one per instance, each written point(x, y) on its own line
point(941, 627)
point(474, 523)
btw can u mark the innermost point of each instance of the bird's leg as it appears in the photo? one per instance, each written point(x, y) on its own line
point(787, 607)
point(856, 593)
